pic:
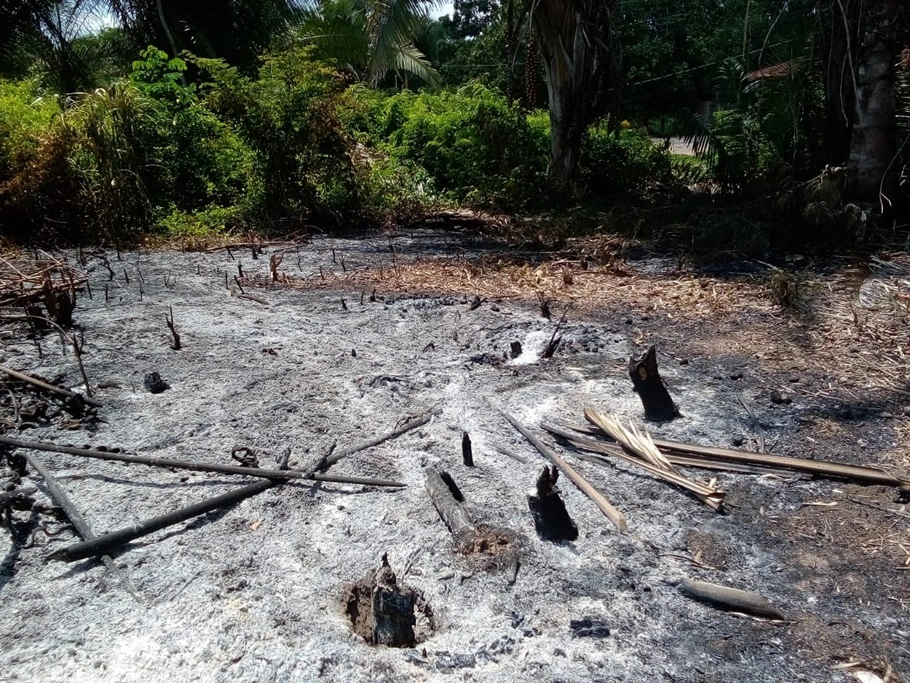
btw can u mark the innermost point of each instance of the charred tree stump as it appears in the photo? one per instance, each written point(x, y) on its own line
point(382, 611)
point(551, 519)
point(659, 406)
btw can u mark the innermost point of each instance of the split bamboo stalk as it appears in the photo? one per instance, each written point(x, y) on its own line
point(858, 473)
point(47, 387)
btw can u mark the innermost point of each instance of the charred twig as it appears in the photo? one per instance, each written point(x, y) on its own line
point(611, 512)
point(82, 527)
point(47, 387)
point(333, 458)
point(77, 347)
point(550, 348)
point(170, 324)
point(104, 544)
point(187, 465)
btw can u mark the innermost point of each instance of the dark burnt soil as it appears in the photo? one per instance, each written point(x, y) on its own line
point(258, 592)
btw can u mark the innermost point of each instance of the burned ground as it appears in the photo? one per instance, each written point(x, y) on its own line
point(258, 591)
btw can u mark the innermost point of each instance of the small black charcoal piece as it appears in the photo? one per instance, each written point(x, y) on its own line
point(551, 519)
point(155, 384)
point(589, 628)
point(467, 454)
point(515, 349)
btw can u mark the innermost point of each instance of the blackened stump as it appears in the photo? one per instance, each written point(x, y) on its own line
point(551, 519)
point(659, 406)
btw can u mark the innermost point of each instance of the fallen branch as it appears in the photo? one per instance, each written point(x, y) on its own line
point(611, 512)
point(857, 473)
point(195, 466)
point(47, 387)
point(82, 527)
point(102, 545)
point(332, 458)
point(730, 599)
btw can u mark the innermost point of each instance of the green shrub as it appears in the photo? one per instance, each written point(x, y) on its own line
point(290, 118)
point(476, 147)
point(623, 161)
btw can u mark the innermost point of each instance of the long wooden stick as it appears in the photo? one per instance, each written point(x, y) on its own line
point(611, 512)
point(78, 521)
point(105, 544)
point(195, 466)
point(334, 457)
point(858, 473)
point(47, 387)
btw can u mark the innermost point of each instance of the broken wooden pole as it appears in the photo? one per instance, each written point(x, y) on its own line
point(659, 406)
point(732, 599)
point(78, 521)
point(450, 510)
point(467, 454)
point(611, 512)
point(102, 545)
point(194, 466)
point(47, 387)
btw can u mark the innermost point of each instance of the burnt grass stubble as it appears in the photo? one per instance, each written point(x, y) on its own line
point(258, 591)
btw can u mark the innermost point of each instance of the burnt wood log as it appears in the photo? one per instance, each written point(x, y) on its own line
point(467, 454)
point(450, 510)
point(659, 406)
point(732, 599)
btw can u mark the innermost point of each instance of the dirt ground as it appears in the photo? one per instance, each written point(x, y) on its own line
point(361, 333)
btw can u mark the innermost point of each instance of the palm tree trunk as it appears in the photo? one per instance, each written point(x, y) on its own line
point(872, 171)
point(580, 51)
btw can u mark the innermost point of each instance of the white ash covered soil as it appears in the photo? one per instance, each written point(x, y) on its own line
point(257, 592)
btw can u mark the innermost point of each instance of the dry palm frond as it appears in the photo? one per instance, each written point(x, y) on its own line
point(639, 442)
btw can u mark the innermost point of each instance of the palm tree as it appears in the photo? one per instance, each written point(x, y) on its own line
point(370, 38)
point(580, 50)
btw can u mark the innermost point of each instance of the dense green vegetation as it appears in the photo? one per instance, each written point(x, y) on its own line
point(358, 112)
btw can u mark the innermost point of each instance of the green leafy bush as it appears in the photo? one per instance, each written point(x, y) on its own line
point(290, 118)
point(476, 147)
point(623, 161)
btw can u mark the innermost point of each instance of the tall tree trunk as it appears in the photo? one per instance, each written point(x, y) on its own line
point(872, 173)
point(579, 44)
point(838, 22)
